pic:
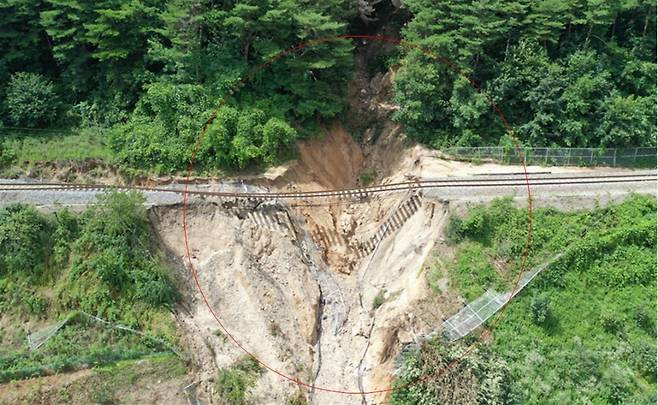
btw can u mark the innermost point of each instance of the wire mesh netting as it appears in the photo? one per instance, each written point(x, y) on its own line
point(38, 338)
point(617, 157)
point(477, 312)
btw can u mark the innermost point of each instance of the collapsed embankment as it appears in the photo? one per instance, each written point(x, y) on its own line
point(326, 293)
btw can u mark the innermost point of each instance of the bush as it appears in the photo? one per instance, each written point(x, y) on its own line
point(612, 323)
point(541, 310)
point(24, 242)
point(7, 155)
point(31, 100)
point(429, 376)
point(379, 299)
point(114, 246)
point(233, 383)
point(454, 230)
point(644, 321)
point(367, 177)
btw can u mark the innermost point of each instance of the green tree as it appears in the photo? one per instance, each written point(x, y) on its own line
point(23, 44)
point(120, 35)
point(277, 137)
point(31, 100)
point(627, 121)
point(64, 22)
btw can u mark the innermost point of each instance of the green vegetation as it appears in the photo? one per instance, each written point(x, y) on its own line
point(26, 148)
point(379, 299)
point(297, 399)
point(81, 343)
point(233, 383)
point(110, 382)
point(584, 329)
point(481, 377)
point(564, 73)
point(126, 381)
point(367, 176)
point(100, 261)
point(568, 73)
point(31, 100)
point(155, 70)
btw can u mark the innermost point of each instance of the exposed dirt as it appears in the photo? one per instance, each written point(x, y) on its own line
point(257, 281)
point(297, 285)
point(144, 382)
point(326, 293)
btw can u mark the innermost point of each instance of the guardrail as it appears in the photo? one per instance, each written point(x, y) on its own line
point(614, 157)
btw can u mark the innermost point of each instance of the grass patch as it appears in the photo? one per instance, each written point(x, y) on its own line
point(584, 330)
point(26, 147)
point(297, 399)
point(379, 299)
point(82, 343)
point(110, 380)
point(233, 383)
point(367, 176)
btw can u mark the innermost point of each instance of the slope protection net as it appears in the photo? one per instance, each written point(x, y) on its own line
point(479, 311)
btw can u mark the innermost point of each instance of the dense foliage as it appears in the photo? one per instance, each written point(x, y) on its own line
point(31, 100)
point(568, 73)
point(584, 330)
point(100, 261)
point(564, 72)
point(78, 266)
point(156, 69)
point(430, 375)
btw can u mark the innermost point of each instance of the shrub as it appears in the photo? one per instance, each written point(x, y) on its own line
point(31, 100)
point(24, 243)
point(233, 383)
point(541, 310)
point(367, 176)
point(454, 230)
point(474, 224)
point(644, 321)
point(480, 377)
point(7, 155)
point(611, 323)
point(297, 399)
point(114, 248)
point(379, 300)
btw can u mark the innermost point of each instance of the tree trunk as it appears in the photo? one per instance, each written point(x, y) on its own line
point(509, 38)
point(646, 25)
point(246, 46)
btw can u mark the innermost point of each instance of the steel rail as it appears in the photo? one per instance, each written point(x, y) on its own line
point(362, 192)
point(442, 180)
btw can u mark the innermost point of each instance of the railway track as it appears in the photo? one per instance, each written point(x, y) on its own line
point(362, 192)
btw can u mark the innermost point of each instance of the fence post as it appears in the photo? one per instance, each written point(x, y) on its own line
point(591, 157)
point(568, 156)
point(546, 158)
point(525, 151)
point(502, 150)
point(635, 157)
point(614, 158)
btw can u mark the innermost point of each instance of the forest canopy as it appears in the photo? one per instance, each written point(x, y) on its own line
point(564, 72)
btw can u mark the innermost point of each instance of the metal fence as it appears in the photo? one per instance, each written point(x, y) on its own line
point(617, 157)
